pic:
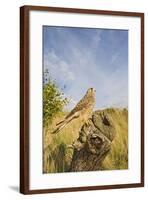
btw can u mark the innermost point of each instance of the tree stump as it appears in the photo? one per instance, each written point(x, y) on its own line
point(93, 144)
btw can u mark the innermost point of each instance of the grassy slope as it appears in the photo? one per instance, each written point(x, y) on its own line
point(57, 156)
point(118, 157)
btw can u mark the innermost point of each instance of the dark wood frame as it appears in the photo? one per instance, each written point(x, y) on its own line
point(24, 98)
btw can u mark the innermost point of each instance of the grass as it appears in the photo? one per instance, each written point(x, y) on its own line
point(57, 156)
point(118, 156)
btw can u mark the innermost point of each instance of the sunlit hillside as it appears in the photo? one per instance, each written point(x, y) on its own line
point(57, 154)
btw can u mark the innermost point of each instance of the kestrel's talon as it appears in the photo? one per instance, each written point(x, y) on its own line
point(87, 122)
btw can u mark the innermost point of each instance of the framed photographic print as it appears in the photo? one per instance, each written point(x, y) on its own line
point(82, 99)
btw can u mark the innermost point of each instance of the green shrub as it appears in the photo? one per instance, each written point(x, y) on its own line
point(53, 101)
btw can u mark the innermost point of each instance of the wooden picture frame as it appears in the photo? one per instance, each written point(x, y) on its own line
point(25, 98)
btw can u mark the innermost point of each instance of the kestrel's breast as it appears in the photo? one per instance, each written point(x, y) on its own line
point(86, 113)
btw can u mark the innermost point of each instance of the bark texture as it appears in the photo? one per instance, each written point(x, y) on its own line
point(94, 143)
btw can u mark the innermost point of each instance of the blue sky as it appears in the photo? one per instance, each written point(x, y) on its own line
point(80, 58)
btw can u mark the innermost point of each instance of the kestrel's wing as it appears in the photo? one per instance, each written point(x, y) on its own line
point(72, 114)
point(75, 113)
point(82, 104)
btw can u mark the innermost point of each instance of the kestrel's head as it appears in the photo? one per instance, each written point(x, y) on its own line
point(91, 91)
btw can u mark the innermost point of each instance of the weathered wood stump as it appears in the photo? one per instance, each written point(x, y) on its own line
point(93, 144)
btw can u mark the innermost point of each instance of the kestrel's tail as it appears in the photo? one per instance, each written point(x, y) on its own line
point(64, 123)
point(60, 122)
point(60, 127)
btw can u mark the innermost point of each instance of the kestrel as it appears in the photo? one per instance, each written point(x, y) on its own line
point(82, 110)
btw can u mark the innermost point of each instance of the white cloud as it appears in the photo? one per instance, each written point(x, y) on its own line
point(57, 65)
point(115, 90)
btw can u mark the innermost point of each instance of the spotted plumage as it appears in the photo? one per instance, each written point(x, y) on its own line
point(82, 110)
